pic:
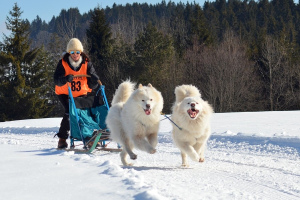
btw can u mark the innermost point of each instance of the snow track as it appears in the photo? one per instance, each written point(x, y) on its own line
point(243, 164)
point(240, 173)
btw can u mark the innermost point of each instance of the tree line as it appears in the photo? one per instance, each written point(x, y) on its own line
point(242, 55)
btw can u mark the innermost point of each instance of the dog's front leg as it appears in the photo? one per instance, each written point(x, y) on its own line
point(138, 137)
point(184, 160)
point(152, 138)
point(141, 143)
point(200, 148)
point(128, 147)
point(123, 155)
point(190, 151)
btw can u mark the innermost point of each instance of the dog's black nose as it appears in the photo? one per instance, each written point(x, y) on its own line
point(147, 105)
point(192, 105)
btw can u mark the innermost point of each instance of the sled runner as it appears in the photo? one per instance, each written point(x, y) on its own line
point(87, 121)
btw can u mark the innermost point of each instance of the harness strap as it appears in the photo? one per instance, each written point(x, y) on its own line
point(172, 122)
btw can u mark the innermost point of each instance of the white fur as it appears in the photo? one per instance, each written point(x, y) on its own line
point(195, 130)
point(129, 120)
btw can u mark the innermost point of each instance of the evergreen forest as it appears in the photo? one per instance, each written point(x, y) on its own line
point(242, 55)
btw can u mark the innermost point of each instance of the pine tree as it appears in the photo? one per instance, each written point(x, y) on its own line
point(100, 43)
point(154, 50)
point(22, 73)
point(199, 26)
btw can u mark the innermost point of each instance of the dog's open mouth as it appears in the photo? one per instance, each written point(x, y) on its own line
point(193, 113)
point(147, 111)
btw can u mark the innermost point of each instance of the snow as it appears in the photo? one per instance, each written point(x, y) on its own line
point(250, 155)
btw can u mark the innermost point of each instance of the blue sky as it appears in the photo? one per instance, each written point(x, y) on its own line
point(49, 8)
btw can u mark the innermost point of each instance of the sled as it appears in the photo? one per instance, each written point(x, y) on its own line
point(87, 121)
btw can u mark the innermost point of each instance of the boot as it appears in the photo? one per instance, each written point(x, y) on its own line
point(62, 143)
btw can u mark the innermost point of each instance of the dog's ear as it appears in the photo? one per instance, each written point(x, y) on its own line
point(140, 85)
point(149, 85)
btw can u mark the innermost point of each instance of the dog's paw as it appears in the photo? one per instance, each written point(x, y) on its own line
point(133, 156)
point(201, 160)
point(185, 165)
point(153, 151)
point(128, 164)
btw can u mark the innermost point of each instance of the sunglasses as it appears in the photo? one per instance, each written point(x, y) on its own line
point(73, 52)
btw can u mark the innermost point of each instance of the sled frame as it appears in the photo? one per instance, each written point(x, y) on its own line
point(96, 138)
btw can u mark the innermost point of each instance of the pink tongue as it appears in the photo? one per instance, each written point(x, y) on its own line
point(148, 112)
point(193, 114)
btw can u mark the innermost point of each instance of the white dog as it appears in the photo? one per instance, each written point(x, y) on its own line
point(192, 116)
point(134, 117)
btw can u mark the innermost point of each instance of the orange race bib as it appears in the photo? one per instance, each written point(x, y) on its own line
point(79, 85)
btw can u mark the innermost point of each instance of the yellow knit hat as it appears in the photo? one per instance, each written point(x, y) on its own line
point(74, 45)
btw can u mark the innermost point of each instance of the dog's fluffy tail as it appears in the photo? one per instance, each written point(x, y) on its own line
point(123, 92)
point(186, 91)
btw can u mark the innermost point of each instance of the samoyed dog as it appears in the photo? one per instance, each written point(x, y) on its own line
point(192, 115)
point(134, 117)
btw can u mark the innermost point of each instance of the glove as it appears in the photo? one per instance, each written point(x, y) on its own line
point(69, 78)
point(93, 83)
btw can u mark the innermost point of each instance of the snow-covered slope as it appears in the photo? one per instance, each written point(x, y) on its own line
point(249, 156)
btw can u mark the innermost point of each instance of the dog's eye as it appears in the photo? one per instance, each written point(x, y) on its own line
point(150, 99)
point(143, 100)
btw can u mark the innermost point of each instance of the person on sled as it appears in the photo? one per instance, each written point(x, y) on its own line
point(74, 62)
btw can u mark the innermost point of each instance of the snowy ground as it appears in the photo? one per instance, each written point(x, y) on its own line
point(249, 156)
